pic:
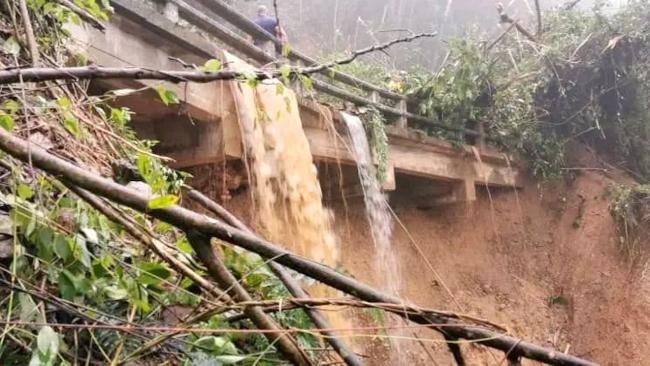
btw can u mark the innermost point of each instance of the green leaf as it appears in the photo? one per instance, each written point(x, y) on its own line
point(43, 238)
point(167, 96)
point(212, 66)
point(115, 293)
point(211, 343)
point(286, 49)
point(11, 106)
point(71, 124)
point(229, 360)
point(28, 308)
point(279, 89)
point(184, 246)
point(24, 191)
point(120, 116)
point(11, 46)
point(47, 340)
point(66, 285)
point(64, 103)
point(307, 83)
point(48, 346)
point(285, 71)
point(254, 280)
point(62, 248)
point(162, 202)
point(6, 121)
point(153, 273)
point(80, 250)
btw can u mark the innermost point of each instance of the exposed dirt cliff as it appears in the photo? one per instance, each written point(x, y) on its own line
point(544, 261)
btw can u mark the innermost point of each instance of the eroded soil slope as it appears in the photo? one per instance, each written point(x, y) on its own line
point(544, 261)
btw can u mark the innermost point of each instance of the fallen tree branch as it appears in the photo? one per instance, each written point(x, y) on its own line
point(349, 357)
point(286, 344)
point(141, 73)
point(113, 215)
point(84, 15)
point(505, 18)
point(190, 221)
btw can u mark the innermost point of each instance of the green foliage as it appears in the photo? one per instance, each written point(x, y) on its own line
point(11, 46)
point(211, 66)
point(586, 80)
point(167, 96)
point(161, 179)
point(558, 300)
point(162, 202)
point(630, 209)
point(375, 125)
point(47, 349)
point(452, 94)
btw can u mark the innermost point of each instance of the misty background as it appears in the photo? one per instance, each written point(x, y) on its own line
point(324, 28)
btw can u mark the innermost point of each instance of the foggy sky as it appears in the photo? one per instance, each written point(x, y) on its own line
point(321, 27)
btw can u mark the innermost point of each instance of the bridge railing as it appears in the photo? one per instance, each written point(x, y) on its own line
point(228, 26)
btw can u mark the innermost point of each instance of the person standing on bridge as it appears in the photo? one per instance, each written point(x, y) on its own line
point(272, 26)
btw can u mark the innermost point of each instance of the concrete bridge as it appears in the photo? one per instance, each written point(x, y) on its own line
point(204, 129)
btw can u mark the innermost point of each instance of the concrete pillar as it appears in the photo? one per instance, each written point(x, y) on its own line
point(402, 121)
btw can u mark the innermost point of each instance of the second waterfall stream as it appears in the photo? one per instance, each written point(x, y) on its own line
point(377, 209)
point(380, 219)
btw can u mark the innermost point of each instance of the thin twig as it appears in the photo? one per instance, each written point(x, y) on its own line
point(29, 32)
point(501, 36)
point(505, 18)
point(540, 26)
point(290, 304)
point(571, 4)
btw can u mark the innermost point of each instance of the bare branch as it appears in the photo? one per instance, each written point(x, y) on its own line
point(139, 73)
point(505, 18)
point(570, 5)
point(538, 10)
point(500, 37)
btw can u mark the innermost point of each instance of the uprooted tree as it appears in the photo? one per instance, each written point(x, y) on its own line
point(88, 263)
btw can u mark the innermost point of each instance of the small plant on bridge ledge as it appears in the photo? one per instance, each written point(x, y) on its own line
point(375, 125)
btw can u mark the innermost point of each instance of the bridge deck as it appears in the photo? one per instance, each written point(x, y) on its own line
point(203, 128)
